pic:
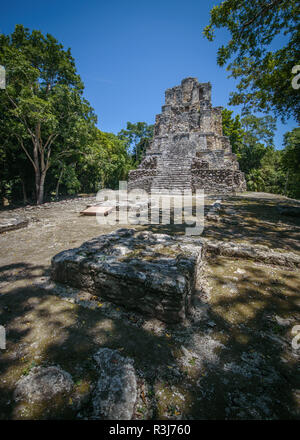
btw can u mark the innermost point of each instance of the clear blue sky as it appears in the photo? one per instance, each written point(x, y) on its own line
point(128, 52)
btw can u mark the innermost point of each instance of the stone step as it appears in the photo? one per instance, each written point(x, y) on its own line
point(174, 169)
point(159, 173)
point(169, 170)
point(162, 184)
point(181, 163)
point(178, 179)
point(168, 182)
point(187, 164)
point(164, 179)
point(173, 178)
point(170, 185)
point(172, 175)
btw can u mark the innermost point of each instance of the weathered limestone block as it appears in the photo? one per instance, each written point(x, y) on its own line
point(151, 273)
point(115, 394)
point(12, 223)
point(199, 164)
point(149, 162)
point(43, 383)
point(256, 253)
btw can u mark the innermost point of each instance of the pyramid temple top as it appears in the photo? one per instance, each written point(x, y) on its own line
point(189, 92)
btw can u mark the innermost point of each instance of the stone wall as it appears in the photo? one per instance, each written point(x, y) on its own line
point(141, 178)
point(221, 181)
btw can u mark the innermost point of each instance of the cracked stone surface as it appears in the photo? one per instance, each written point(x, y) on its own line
point(115, 393)
point(151, 273)
point(43, 383)
point(12, 223)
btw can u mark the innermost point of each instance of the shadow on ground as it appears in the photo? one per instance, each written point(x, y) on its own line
point(234, 361)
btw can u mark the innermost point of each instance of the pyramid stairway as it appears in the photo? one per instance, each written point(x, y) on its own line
point(172, 174)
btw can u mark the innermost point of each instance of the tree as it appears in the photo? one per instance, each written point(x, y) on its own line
point(265, 75)
point(255, 180)
point(137, 138)
point(291, 162)
point(250, 137)
point(270, 176)
point(105, 163)
point(232, 127)
point(258, 138)
point(16, 173)
point(42, 108)
point(252, 140)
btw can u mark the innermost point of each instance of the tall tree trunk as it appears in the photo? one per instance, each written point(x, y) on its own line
point(58, 181)
point(40, 195)
point(36, 168)
point(39, 161)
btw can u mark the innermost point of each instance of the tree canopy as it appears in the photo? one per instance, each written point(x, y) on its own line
point(137, 137)
point(264, 71)
point(266, 169)
point(42, 108)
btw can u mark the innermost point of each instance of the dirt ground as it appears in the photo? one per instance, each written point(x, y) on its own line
point(233, 359)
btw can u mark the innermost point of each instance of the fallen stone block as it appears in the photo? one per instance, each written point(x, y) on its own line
point(48, 391)
point(153, 274)
point(43, 383)
point(94, 210)
point(256, 253)
point(12, 223)
point(115, 394)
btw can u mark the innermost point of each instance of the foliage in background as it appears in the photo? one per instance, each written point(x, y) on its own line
point(266, 169)
point(291, 162)
point(105, 164)
point(47, 128)
point(137, 138)
point(232, 128)
point(42, 108)
point(265, 75)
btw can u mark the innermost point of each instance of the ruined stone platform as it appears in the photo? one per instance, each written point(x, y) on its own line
point(12, 223)
point(153, 274)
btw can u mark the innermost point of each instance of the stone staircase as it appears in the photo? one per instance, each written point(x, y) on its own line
point(172, 174)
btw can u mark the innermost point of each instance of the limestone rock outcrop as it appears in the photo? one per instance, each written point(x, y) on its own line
point(188, 150)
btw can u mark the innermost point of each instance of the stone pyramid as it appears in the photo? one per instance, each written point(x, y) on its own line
point(188, 150)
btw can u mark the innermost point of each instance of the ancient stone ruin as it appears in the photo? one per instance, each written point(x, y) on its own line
point(188, 150)
point(151, 273)
point(8, 223)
